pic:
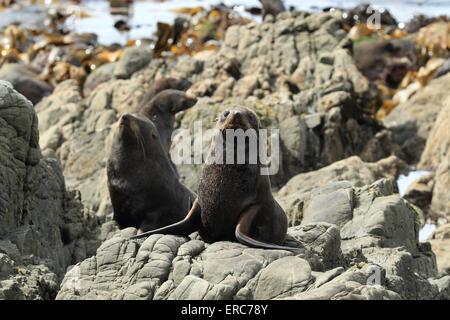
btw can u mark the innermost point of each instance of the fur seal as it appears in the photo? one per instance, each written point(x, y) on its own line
point(234, 201)
point(162, 109)
point(144, 187)
point(164, 84)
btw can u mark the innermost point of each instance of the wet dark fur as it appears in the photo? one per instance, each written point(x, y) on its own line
point(225, 191)
point(161, 85)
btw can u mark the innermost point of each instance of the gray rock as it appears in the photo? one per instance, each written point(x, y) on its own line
point(322, 239)
point(405, 272)
point(25, 80)
point(43, 227)
point(412, 121)
point(100, 75)
point(441, 247)
point(352, 169)
point(350, 285)
point(443, 285)
point(133, 59)
point(171, 267)
point(436, 157)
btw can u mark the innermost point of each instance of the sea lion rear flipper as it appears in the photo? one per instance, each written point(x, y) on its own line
point(182, 228)
point(242, 233)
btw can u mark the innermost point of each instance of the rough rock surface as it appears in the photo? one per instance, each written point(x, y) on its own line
point(25, 80)
point(436, 157)
point(43, 227)
point(352, 169)
point(412, 121)
point(441, 247)
point(371, 262)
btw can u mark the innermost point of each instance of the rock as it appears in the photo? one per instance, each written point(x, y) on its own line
point(436, 157)
point(365, 216)
point(419, 21)
point(440, 204)
point(25, 80)
point(133, 59)
point(351, 285)
point(379, 249)
point(438, 143)
point(100, 75)
point(411, 122)
point(43, 227)
point(352, 169)
point(405, 272)
point(442, 232)
point(441, 247)
point(442, 252)
point(443, 285)
point(443, 70)
point(321, 238)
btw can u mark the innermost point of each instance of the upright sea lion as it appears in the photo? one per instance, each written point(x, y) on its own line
point(234, 200)
point(144, 188)
point(162, 109)
point(164, 84)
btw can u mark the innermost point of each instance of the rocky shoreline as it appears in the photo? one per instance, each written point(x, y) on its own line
point(337, 180)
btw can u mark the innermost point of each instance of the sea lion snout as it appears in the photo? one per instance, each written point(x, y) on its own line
point(190, 101)
point(238, 118)
point(124, 119)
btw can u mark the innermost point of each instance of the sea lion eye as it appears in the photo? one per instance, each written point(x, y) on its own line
point(226, 113)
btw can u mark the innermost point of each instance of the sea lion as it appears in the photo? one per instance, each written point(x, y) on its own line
point(162, 109)
point(234, 201)
point(144, 188)
point(164, 84)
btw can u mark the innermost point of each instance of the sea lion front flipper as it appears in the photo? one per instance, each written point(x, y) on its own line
point(182, 228)
point(244, 226)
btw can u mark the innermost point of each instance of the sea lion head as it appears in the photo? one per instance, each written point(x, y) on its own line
point(137, 136)
point(168, 101)
point(238, 118)
point(177, 100)
point(182, 101)
point(237, 129)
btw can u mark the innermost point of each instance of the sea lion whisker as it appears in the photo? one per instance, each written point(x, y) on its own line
point(140, 140)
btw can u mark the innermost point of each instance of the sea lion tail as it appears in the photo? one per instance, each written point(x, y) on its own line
point(244, 239)
point(182, 228)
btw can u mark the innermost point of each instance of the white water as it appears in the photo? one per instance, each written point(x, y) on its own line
point(146, 14)
point(404, 182)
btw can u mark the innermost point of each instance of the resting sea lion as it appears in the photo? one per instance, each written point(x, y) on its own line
point(162, 109)
point(144, 188)
point(234, 200)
